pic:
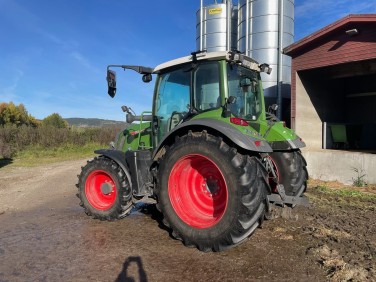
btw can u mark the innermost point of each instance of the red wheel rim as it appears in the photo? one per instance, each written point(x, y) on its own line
point(197, 191)
point(100, 190)
point(272, 182)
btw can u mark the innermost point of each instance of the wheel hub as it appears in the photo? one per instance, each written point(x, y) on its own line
point(106, 188)
point(100, 190)
point(211, 186)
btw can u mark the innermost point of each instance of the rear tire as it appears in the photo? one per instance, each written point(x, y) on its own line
point(211, 196)
point(291, 171)
point(104, 189)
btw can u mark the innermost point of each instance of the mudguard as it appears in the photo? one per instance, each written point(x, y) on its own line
point(242, 140)
point(119, 158)
point(287, 145)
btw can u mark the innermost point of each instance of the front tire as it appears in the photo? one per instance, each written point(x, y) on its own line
point(104, 189)
point(211, 196)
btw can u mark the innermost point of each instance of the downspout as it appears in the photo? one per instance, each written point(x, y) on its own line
point(280, 62)
point(247, 23)
point(228, 24)
point(201, 23)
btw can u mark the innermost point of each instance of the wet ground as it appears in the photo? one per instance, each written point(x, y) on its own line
point(46, 236)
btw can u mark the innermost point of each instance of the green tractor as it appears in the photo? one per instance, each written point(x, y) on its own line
point(208, 154)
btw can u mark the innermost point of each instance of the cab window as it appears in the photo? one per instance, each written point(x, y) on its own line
point(206, 86)
point(172, 99)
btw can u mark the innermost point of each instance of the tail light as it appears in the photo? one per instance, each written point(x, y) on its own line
point(239, 121)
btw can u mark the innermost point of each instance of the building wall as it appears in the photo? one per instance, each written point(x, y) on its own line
point(309, 126)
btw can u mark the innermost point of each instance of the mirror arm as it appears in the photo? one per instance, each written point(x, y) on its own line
point(139, 69)
point(145, 71)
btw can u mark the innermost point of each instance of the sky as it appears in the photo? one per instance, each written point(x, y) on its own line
point(54, 54)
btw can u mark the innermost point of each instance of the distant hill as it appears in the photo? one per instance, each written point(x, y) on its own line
point(94, 122)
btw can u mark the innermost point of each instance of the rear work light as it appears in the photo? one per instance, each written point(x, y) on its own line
point(239, 121)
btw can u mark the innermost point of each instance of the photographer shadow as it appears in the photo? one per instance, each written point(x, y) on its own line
point(125, 276)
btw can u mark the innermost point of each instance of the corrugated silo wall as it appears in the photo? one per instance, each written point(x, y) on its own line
point(215, 23)
point(265, 28)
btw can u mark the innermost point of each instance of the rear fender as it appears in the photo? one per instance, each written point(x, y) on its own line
point(287, 144)
point(242, 140)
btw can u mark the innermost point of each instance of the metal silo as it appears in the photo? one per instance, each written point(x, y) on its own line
point(216, 27)
point(265, 28)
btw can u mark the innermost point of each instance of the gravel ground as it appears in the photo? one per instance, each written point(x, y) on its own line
point(46, 236)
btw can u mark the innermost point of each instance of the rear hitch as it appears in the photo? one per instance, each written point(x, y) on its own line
point(281, 198)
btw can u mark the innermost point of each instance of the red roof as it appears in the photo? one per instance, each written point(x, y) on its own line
point(306, 41)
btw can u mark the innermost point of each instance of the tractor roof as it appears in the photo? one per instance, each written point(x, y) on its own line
point(221, 55)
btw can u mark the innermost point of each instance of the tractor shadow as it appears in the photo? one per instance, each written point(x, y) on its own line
point(152, 211)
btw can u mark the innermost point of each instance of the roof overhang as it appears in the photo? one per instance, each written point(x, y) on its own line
point(306, 41)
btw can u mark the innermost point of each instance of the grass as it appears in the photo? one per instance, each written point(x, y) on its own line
point(36, 155)
point(359, 180)
point(337, 195)
point(346, 192)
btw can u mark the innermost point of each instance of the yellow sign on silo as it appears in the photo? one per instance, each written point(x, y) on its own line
point(215, 11)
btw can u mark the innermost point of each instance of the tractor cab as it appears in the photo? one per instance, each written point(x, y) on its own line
point(197, 86)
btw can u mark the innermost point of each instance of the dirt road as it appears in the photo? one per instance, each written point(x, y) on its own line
point(46, 236)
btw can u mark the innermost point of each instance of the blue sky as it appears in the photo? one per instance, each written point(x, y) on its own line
point(54, 54)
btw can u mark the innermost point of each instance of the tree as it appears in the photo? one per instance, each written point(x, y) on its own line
point(10, 114)
point(55, 120)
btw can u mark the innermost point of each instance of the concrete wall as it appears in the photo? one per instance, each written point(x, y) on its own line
point(330, 165)
point(308, 124)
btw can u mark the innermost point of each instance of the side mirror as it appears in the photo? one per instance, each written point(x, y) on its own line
point(111, 82)
point(147, 78)
point(273, 109)
point(265, 68)
point(231, 100)
point(226, 112)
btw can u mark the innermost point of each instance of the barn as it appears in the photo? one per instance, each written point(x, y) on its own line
point(333, 98)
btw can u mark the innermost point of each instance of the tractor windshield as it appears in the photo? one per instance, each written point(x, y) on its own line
point(244, 85)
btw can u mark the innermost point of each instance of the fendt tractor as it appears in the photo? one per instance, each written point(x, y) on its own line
point(209, 155)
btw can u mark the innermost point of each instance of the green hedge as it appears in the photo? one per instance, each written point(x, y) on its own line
point(14, 139)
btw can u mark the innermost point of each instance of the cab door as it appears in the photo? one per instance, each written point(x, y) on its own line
point(193, 87)
point(172, 101)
